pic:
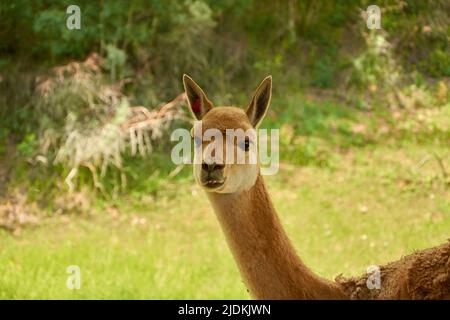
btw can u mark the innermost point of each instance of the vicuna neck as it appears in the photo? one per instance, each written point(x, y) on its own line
point(266, 258)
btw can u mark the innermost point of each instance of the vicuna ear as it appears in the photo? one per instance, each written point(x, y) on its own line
point(198, 102)
point(260, 102)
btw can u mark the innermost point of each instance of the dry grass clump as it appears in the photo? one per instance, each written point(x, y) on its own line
point(86, 122)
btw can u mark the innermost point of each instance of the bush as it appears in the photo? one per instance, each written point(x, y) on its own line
point(85, 122)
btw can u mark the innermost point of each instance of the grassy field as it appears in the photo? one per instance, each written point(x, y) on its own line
point(368, 205)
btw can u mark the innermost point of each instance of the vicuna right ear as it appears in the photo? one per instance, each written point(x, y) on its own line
point(257, 108)
point(198, 102)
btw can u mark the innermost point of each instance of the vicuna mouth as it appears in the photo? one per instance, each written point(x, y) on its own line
point(213, 184)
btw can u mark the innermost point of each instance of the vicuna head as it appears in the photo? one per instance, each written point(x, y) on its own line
point(226, 157)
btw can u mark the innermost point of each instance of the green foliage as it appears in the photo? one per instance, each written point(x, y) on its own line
point(236, 42)
point(228, 46)
point(115, 62)
point(420, 31)
point(438, 63)
point(376, 68)
point(3, 140)
point(324, 71)
point(28, 146)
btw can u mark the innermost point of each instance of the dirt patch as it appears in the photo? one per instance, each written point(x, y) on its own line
point(15, 213)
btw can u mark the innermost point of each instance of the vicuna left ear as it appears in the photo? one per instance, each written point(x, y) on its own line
point(198, 102)
point(257, 108)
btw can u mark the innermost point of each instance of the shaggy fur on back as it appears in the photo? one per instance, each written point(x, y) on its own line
point(421, 275)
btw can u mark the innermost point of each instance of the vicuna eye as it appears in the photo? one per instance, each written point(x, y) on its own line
point(245, 145)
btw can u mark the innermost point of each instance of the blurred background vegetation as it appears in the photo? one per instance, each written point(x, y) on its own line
point(86, 115)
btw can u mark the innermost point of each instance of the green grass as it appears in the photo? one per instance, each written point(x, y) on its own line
point(371, 203)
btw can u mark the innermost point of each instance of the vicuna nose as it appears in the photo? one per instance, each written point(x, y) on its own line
point(212, 166)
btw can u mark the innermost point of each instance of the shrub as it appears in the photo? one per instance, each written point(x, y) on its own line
point(83, 121)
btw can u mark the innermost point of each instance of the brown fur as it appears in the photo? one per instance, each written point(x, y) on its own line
point(226, 118)
point(422, 275)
